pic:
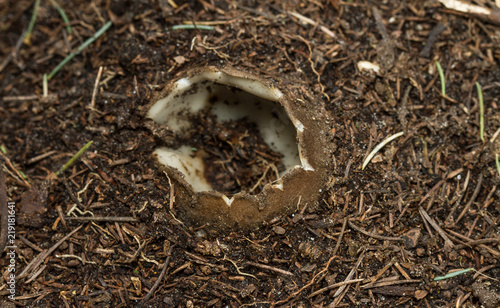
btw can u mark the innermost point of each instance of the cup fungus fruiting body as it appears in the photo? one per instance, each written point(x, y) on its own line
point(247, 148)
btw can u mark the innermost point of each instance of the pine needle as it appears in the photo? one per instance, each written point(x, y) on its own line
point(64, 17)
point(453, 274)
point(481, 110)
point(80, 48)
point(29, 31)
point(498, 164)
point(380, 146)
point(74, 158)
point(192, 27)
point(441, 77)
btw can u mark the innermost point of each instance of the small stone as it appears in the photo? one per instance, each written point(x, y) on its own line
point(447, 294)
point(279, 230)
point(330, 279)
point(453, 255)
point(169, 301)
point(417, 270)
point(446, 285)
point(208, 248)
point(308, 268)
point(419, 294)
point(308, 250)
point(201, 233)
point(180, 60)
point(411, 238)
point(73, 263)
point(246, 291)
point(353, 248)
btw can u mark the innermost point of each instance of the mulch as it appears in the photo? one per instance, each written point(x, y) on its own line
point(106, 231)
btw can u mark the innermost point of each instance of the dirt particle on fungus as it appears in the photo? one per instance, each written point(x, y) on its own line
point(486, 294)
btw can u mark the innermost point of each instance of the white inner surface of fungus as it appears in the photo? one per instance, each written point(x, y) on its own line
point(229, 98)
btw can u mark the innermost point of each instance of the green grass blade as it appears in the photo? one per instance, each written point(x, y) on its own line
point(74, 158)
point(481, 110)
point(454, 274)
point(498, 164)
point(95, 36)
point(29, 31)
point(45, 86)
point(441, 76)
point(80, 48)
point(64, 17)
point(192, 27)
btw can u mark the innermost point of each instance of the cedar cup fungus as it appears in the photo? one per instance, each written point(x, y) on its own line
point(273, 158)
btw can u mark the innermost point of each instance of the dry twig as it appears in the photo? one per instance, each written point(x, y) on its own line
point(294, 294)
point(270, 268)
point(380, 237)
point(448, 244)
point(351, 273)
point(313, 23)
point(94, 94)
point(337, 246)
point(43, 255)
point(158, 281)
point(474, 196)
point(335, 285)
point(102, 218)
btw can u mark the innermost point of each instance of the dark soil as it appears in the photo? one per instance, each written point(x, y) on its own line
point(235, 155)
point(105, 232)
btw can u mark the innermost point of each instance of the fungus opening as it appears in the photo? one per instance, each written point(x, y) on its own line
point(232, 133)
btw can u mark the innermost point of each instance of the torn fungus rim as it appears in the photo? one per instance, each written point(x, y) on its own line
point(300, 184)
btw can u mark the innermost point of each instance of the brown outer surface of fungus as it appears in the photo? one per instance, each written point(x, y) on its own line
point(300, 186)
